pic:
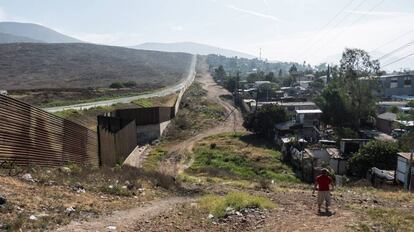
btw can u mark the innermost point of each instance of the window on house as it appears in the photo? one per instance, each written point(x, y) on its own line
point(394, 83)
point(407, 82)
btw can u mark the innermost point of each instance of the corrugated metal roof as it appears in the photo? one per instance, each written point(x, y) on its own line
point(405, 155)
point(388, 116)
point(317, 111)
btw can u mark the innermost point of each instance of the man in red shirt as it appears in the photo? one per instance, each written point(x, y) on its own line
point(322, 184)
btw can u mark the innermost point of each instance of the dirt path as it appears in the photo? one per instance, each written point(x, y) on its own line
point(232, 123)
point(126, 220)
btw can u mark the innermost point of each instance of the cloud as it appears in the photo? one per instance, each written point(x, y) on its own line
point(381, 13)
point(254, 13)
point(177, 28)
point(3, 15)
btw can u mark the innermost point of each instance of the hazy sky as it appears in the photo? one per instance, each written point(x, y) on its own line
point(288, 30)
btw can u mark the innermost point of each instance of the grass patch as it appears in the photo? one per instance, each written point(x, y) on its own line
point(388, 219)
point(154, 157)
point(229, 155)
point(145, 103)
point(217, 205)
point(111, 96)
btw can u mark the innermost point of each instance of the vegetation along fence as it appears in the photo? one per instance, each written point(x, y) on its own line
point(29, 135)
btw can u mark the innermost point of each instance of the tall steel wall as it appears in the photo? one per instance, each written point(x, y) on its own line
point(29, 135)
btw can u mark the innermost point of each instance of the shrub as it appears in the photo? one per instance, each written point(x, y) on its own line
point(116, 85)
point(217, 205)
point(380, 154)
point(130, 84)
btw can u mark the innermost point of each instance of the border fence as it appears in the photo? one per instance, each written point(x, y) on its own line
point(29, 135)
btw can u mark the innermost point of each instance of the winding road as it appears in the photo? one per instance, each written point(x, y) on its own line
point(160, 93)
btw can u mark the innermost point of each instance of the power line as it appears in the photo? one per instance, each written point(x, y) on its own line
point(393, 40)
point(332, 19)
point(336, 25)
point(397, 50)
point(398, 60)
point(357, 20)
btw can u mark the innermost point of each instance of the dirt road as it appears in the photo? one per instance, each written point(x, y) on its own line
point(126, 220)
point(232, 123)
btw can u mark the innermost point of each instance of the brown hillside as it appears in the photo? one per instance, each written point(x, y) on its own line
point(33, 66)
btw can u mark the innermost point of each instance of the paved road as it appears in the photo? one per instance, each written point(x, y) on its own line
point(159, 93)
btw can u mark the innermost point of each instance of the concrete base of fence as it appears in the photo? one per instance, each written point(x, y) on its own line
point(148, 133)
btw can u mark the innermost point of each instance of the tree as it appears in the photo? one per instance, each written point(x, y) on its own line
point(335, 106)
point(130, 84)
point(230, 84)
point(116, 85)
point(219, 73)
point(270, 77)
point(349, 100)
point(280, 73)
point(379, 154)
point(264, 120)
point(293, 71)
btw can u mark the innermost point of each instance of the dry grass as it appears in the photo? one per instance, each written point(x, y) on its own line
point(54, 191)
point(217, 205)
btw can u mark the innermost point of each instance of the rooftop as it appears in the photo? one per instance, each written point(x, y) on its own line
point(388, 116)
point(393, 103)
point(405, 155)
point(317, 111)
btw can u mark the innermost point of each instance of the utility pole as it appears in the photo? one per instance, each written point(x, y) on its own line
point(260, 54)
point(328, 75)
point(409, 174)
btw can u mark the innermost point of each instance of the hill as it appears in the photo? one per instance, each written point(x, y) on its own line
point(192, 48)
point(8, 38)
point(35, 32)
point(35, 66)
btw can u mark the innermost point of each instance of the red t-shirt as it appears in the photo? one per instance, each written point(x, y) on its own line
point(323, 182)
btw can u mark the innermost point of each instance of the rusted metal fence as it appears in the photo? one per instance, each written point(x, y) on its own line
point(146, 116)
point(117, 139)
point(29, 135)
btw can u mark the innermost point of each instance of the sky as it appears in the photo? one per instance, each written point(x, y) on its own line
point(314, 31)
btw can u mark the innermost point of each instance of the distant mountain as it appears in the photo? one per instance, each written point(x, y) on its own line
point(8, 38)
point(34, 32)
point(192, 48)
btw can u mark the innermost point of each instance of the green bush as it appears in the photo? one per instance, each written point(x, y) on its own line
point(116, 85)
point(130, 84)
point(380, 154)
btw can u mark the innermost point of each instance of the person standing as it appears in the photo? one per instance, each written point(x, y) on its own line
point(324, 186)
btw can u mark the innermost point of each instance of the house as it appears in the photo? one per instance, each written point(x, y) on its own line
point(397, 84)
point(385, 122)
point(377, 135)
point(383, 106)
point(308, 117)
point(403, 167)
point(291, 107)
point(351, 146)
point(260, 83)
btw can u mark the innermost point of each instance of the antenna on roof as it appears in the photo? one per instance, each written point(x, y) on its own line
point(260, 54)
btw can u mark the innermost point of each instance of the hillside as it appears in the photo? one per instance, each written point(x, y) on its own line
point(35, 32)
point(192, 48)
point(8, 38)
point(34, 66)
